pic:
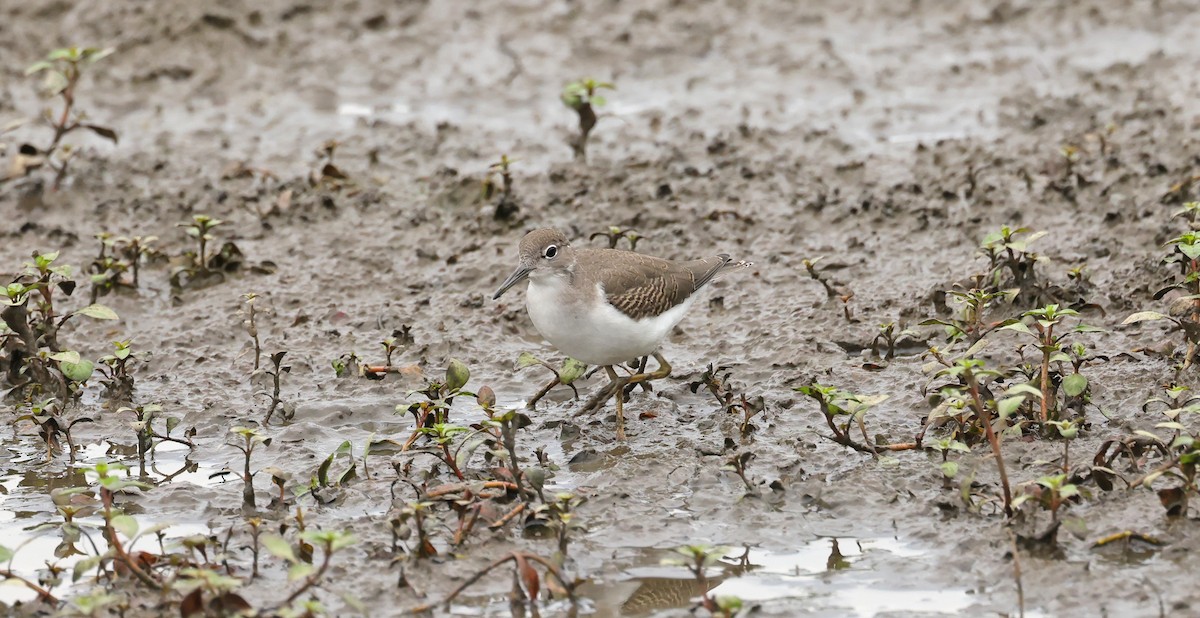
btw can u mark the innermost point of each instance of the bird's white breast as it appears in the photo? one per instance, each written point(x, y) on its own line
point(589, 330)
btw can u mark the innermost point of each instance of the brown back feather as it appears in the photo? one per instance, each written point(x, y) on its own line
point(642, 286)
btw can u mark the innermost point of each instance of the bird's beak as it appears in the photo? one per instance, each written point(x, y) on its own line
point(518, 276)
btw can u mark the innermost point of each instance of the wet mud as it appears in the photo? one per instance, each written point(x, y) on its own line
point(885, 138)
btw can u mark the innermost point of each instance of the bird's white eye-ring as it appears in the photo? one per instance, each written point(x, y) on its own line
point(550, 252)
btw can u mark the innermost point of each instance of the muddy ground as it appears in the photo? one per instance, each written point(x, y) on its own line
point(887, 138)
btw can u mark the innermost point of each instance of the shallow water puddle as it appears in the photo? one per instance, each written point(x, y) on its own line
point(826, 576)
point(29, 523)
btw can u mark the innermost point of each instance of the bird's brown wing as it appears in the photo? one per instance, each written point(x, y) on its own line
point(642, 286)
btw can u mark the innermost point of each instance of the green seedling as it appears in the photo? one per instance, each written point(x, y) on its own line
point(948, 468)
point(148, 437)
point(614, 235)
point(969, 393)
point(106, 269)
point(439, 397)
point(204, 588)
point(443, 435)
point(47, 416)
point(250, 438)
point(1011, 265)
point(301, 569)
point(287, 411)
point(570, 371)
point(887, 338)
point(133, 250)
point(838, 404)
point(200, 228)
point(114, 367)
point(1043, 322)
point(560, 515)
point(1184, 310)
point(108, 484)
point(581, 97)
point(698, 559)
point(968, 323)
point(412, 517)
point(61, 71)
point(1050, 493)
point(507, 206)
point(1190, 213)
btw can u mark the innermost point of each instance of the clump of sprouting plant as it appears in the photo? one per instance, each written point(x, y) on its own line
point(698, 559)
point(1011, 265)
point(1176, 453)
point(144, 417)
point(1183, 292)
point(615, 234)
point(887, 339)
point(53, 424)
point(842, 409)
point(400, 339)
point(118, 265)
point(506, 206)
point(33, 359)
point(61, 71)
point(114, 369)
point(560, 515)
point(439, 396)
point(570, 371)
point(968, 322)
point(948, 467)
point(968, 408)
point(325, 174)
point(1050, 374)
point(106, 269)
point(1050, 493)
point(717, 381)
point(203, 266)
point(581, 96)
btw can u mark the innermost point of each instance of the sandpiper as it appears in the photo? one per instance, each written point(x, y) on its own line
point(605, 306)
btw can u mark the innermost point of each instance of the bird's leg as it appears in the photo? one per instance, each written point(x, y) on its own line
point(620, 382)
point(641, 368)
point(664, 370)
point(603, 395)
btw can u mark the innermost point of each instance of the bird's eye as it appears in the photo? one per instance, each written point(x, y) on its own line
point(550, 252)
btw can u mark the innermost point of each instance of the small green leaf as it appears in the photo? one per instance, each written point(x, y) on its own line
point(1005, 407)
point(99, 312)
point(6, 554)
point(950, 469)
point(457, 375)
point(527, 360)
point(126, 525)
point(299, 570)
point(279, 547)
point(571, 370)
point(1075, 384)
